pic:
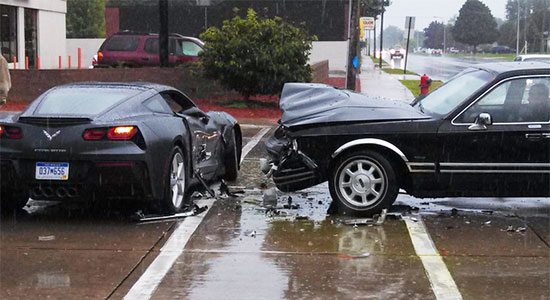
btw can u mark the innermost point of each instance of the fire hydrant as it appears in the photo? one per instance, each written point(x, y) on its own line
point(425, 83)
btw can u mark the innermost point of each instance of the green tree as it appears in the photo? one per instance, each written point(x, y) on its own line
point(394, 36)
point(255, 55)
point(85, 18)
point(372, 8)
point(475, 24)
point(434, 35)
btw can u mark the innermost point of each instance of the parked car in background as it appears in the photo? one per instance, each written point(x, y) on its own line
point(133, 49)
point(501, 50)
point(437, 52)
point(108, 141)
point(481, 134)
point(453, 50)
point(532, 57)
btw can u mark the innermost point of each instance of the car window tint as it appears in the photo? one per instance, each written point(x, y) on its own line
point(123, 43)
point(185, 102)
point(152, 46)
point(519, 100)
point(447, 97)
point(157, 104)
point(175, 48)
point(173, 104)
point(190, 48)
point(82, 100)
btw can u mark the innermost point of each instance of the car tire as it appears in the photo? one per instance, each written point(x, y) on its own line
point(362, 183)
point(176, 182)
point(13, 200)
point(232, 158)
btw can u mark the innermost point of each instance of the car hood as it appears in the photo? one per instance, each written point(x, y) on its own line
point(312, 103)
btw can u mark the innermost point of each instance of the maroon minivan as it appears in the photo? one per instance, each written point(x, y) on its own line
point(131, 49)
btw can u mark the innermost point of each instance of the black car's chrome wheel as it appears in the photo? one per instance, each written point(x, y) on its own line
point(176, 183)
point(231, 158)
point(363, 183)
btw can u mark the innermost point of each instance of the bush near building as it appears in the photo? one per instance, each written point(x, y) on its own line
point(256, 56)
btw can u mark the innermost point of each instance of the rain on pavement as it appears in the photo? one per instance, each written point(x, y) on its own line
point(492, 248)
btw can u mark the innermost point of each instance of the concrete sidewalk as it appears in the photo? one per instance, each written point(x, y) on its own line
point(378, 83)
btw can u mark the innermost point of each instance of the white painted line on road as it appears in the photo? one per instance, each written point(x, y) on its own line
point(149, 281)
point(169, 253)
point(443, 285)
point(255, 139)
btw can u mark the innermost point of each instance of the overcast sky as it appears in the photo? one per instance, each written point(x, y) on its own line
point(427, 11)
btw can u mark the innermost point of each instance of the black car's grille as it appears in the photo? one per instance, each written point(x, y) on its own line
point(49, 122)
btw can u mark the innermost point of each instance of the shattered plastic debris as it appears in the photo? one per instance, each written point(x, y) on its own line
point(487, 222)
point(46, 238)
point(511, 228)
point(302, 218)
point(194, 211)
point(250, 233)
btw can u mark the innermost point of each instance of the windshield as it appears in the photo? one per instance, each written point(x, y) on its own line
point(79, 101)
point(444, 99)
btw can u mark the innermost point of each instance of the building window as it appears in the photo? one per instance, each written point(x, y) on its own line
point(31, 49)
point(8, 31)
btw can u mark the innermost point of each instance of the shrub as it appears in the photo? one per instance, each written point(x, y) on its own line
point(255, 55)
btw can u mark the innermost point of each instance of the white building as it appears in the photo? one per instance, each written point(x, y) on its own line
point(33, 28)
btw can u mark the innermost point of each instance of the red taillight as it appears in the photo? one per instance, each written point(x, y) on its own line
point(99, 56)
point(112, 133)
point(93, 134)
point(10, 132)
point(122, 133)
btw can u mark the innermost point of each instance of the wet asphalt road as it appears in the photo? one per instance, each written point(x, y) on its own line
point(239, 251)
point(437, 67)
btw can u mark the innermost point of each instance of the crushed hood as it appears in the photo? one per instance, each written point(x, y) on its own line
point(311, 103)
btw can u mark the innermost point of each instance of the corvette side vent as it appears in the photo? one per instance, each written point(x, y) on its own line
point(54, 121)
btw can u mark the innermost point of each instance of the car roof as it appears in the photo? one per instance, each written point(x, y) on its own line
point(129, 85)
point(515, 66)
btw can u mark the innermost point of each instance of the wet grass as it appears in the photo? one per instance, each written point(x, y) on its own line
point(397, 71)
point(376, 62)
point(413, 86)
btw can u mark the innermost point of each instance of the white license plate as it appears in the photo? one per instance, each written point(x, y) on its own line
point(52, 171)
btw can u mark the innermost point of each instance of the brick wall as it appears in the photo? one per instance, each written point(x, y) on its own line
point(29, 84)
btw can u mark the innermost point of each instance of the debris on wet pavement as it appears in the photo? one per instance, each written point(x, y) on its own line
point(193, 212)
point(46, 238)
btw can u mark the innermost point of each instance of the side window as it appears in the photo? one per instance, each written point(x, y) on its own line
point(190, 48)
point(173, 104)
point(151, 46)
point(174, 46)
point(514, 101)
point(157, 104)
point(123, 43)
point(183, 100)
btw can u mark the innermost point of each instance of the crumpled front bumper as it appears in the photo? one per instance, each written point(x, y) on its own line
point(289, 167)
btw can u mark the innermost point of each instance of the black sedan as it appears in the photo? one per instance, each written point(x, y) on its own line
point(101, 141)
point(486, 132)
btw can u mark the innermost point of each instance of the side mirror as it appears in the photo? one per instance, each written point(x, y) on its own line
point(481, 122)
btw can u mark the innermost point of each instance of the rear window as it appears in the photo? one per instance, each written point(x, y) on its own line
point(123, 43)
point(80, 101)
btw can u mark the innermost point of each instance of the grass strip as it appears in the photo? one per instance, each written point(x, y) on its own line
point(397, 71)
point(414, 85)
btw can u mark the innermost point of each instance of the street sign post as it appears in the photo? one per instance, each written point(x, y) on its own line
point(409, 24)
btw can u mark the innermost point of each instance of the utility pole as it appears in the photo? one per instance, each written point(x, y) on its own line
point(381, 33)
point(353, 40)
point(163, 33)
point(517, 33)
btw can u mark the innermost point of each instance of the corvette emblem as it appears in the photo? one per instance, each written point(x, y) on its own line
point(50, 137)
